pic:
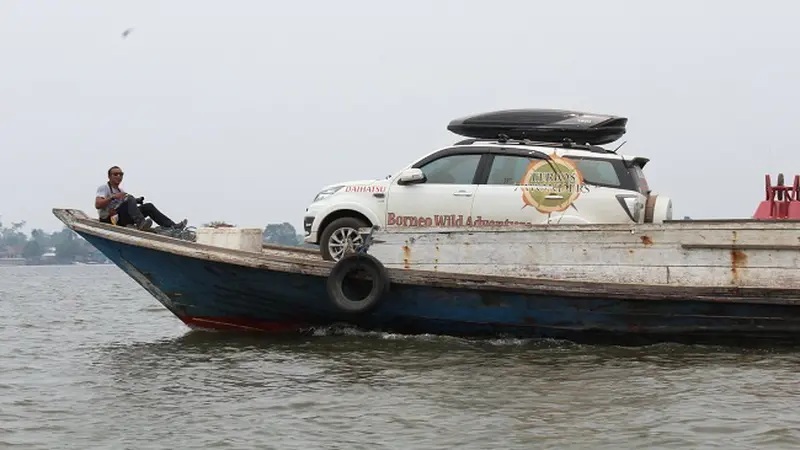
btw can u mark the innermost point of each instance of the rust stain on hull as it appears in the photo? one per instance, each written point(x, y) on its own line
point(406, 256)
point(646, 240)
point(738, 261)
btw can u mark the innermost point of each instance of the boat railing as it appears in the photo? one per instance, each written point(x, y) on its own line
point(782, 201)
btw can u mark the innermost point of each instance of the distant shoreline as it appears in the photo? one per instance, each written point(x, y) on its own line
point(18, 262)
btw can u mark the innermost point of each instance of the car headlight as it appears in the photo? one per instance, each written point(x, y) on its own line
point(325, 193)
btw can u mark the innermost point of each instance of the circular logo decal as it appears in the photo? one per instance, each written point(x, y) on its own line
point(551, 186)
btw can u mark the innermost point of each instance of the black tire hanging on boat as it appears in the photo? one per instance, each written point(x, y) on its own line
point(350, 264)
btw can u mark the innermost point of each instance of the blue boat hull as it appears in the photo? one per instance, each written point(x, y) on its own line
point(226, 296)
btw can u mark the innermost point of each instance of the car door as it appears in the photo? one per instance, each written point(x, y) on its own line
point(500, 201)
point(444, 199)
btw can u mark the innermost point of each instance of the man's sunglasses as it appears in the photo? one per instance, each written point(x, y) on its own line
point(114, 174)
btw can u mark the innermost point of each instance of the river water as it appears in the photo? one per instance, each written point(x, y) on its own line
point(89, 360)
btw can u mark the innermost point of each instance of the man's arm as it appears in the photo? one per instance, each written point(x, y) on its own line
point(101, 201)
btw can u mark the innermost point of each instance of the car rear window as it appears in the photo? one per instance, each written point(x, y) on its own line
point(599, 171)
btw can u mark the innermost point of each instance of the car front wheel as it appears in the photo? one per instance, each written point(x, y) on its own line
point(341, 236)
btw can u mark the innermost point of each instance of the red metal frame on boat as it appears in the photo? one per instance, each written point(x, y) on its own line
point(782, 202)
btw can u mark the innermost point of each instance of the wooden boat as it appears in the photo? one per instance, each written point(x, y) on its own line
point(709, 282)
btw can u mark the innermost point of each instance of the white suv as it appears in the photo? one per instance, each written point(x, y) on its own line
point(478, 183)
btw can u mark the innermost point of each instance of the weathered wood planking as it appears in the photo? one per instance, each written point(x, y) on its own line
point(293, 260)
point(743, 254)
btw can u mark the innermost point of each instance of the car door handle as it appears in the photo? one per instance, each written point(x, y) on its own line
point(462, 194)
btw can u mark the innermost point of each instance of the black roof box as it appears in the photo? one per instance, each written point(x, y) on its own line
point(544, 125)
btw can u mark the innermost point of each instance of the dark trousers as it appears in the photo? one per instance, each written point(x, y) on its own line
point(130, 213)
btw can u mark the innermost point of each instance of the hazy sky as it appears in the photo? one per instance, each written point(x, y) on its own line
point(242, 110)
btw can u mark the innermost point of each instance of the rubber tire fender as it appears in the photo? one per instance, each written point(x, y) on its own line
point(349, 264)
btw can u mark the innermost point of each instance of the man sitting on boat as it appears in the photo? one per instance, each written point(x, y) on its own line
point(115, 206)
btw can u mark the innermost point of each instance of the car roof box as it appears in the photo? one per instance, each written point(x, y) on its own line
point(543, 125)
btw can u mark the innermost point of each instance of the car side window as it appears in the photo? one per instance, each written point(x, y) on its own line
point(508, 169)
point(598, 171)
point(453, 169)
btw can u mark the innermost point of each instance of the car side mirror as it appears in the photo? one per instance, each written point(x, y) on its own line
point(411, 176)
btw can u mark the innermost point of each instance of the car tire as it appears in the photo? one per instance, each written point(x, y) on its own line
point(346, 224)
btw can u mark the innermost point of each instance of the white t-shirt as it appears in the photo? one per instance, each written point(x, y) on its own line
point(105, 191)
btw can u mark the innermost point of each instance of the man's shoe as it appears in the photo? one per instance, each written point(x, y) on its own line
point(180, 225)
point(145, 225)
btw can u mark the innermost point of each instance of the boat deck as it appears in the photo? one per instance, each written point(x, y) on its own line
point(307, 261)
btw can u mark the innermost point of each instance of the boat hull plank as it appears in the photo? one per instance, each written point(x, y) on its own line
point(743, 255)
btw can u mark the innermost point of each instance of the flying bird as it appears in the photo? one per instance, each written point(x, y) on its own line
point(126, 33)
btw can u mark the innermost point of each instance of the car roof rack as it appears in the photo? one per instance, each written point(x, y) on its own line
point(566, 144)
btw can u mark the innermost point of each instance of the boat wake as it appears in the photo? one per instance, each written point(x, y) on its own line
point(349, 331)
point(547, 344)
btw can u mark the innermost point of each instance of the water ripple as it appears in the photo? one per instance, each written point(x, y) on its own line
point(91, 361)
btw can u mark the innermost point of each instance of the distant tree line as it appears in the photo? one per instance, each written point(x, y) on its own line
point(60, 247)
point(66, 247)
point(284, 234)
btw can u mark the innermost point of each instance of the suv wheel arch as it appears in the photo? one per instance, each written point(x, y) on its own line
point(345, 219)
